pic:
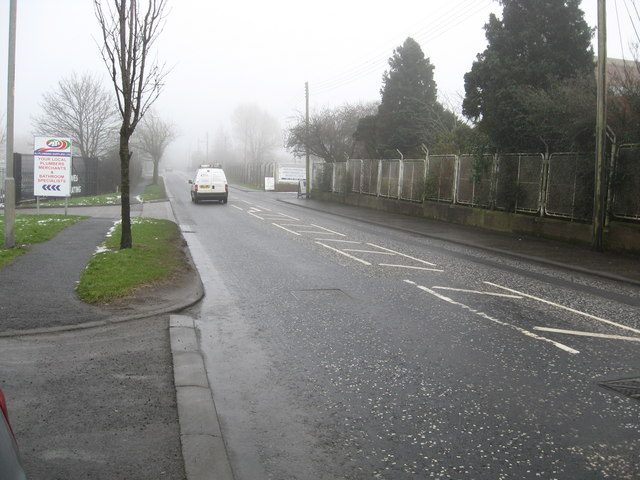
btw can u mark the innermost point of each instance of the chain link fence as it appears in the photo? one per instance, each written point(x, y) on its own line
point(570, 183)
point(625, 183)
point(559, 185)
point(413, 180)
point(474, 180)
point(519, 182)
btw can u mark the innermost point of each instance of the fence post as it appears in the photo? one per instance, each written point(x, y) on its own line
point(333, 177)
point(544, 183)
point(400, 173)
point(347, 173)
point(425, 175)
point(379, 180)
point(493, 185)
point(609, 180)
point(456, 179)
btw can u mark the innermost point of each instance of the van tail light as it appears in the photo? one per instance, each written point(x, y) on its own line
point(196, 189)
point(226, 188)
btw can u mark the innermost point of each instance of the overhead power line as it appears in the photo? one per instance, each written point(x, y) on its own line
point(439, 25)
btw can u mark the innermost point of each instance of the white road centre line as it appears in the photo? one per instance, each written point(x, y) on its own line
point(402, 254)
point(343, 253)
point(316, 232)
point(239, 208)
point(587, 334)
point(477, 292)
point(588, 315)
point(284, 228)
point(495, 320)
point(411, 267)
point(327, 230)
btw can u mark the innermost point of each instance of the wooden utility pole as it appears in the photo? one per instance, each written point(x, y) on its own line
point(601, 133)
point(306, 139)
point(10, 182)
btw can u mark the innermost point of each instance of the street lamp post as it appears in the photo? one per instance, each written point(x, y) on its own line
point(10, 183)
point(601, 133)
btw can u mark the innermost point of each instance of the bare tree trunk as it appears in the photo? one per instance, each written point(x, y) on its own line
point(128, 34)
point(155, 170)
point(126, 239)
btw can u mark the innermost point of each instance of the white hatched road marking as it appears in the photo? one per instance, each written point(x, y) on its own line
point(289, 227)
point(387, 251)
point(477, 292)
point(338, 240)
point(326, 229)
point(573, 310)
point(587, 334)
point(411, 267)
point(495, 320)
point(367, 251)
point(343, 253)
point(251, 212)
point(284, 228)
point(402, 254)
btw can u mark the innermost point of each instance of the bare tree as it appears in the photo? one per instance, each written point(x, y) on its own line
point(256, 131)
point(153, 137)
point(331, 132)
point(129, 31)
point(79, 108)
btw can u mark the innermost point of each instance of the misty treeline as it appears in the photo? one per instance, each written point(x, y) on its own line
point(533, 89)
point(255, 137)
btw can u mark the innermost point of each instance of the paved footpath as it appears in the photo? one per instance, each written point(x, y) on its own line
point(92, 395)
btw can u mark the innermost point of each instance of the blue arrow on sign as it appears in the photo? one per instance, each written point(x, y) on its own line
point(51, 187)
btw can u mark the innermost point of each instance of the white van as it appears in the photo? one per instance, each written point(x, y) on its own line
point(210, 184)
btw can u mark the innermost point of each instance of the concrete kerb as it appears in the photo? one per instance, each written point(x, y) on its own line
point(203, 449)
point(521, 256)
point(196, 294)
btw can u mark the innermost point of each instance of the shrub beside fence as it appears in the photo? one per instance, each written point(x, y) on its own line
point(559, 185)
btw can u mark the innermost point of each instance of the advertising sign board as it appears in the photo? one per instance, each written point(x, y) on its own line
point(291, 174)
point(52, 167)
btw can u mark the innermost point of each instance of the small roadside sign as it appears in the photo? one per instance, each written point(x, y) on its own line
point(52, 167)
point(269, 183)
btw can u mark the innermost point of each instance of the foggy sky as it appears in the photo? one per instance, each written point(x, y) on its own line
point(250, 51)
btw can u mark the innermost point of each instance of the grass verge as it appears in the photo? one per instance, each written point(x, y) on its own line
point(155, 257)
point(154, 192)
point(30, 229)
point(106, 199)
